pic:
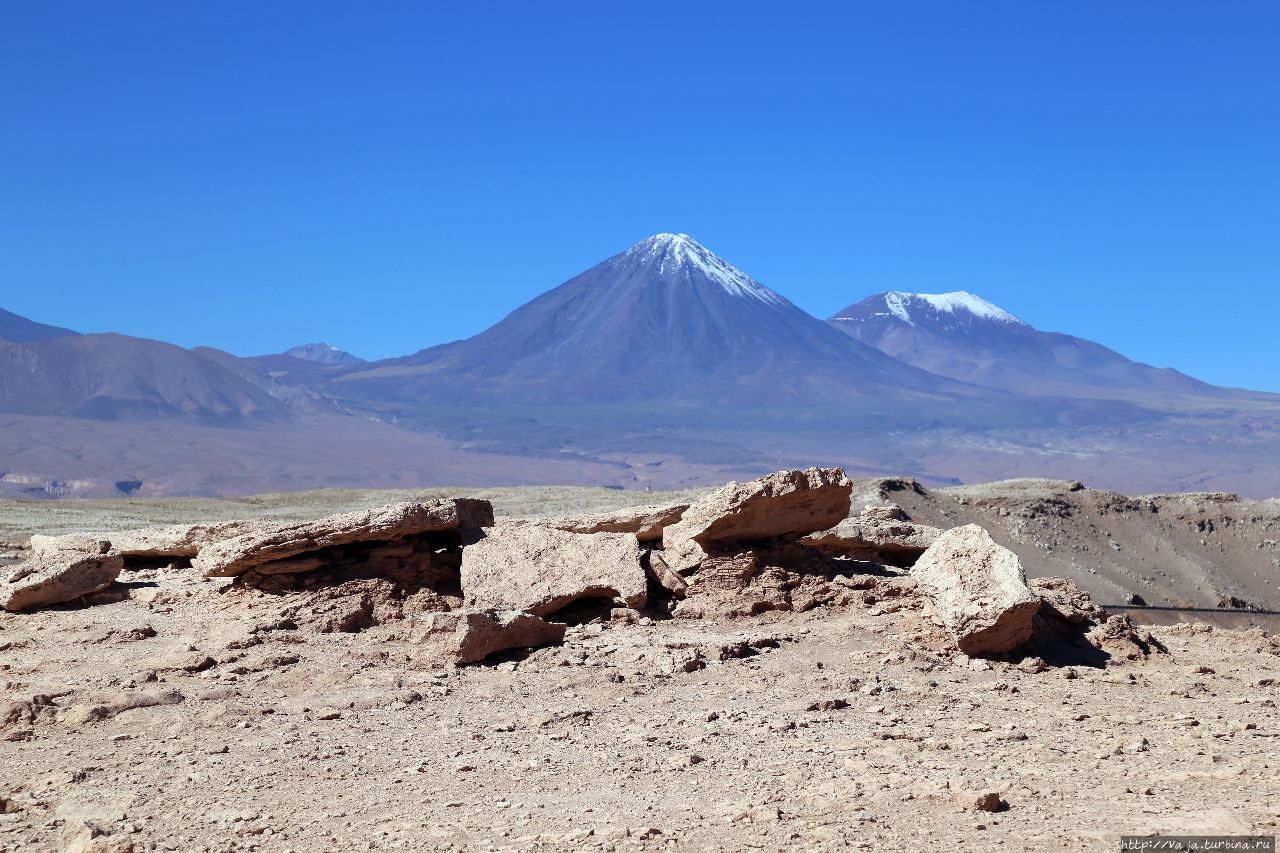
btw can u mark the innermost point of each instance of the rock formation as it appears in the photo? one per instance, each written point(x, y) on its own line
point(174, 541)
point(646, 522)
point(540, 570)
point(881, 534)
point(781, 504)
point(469, 586)
point(1070, 628)
point(978, 590)
point(55, 574)
point(469, 636)
point(266, 542)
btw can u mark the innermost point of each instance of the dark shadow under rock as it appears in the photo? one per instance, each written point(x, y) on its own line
point(580, 611)
point(1070, 630)
point(352, 587)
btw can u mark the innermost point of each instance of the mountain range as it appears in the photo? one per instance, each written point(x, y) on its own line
point(664, 365)
point(963, 336)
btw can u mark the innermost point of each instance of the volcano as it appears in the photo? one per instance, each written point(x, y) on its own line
point(665, 320)
point(965, 337)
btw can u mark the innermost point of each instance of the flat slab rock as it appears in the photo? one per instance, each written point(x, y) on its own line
point(879, 534)
point(179, 540)
point(780, 504)
point(519, 565)
point(266, 541)
point(470, 636)
point(646, 522)
point(978, 589)
point(56, 575)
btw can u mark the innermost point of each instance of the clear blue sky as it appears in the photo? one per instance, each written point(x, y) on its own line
point(387, 176)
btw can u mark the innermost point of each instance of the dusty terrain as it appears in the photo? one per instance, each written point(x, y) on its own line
point(175, 712)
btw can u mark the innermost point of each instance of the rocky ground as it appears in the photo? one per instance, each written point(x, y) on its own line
point(177, 712)
point(1189, 550)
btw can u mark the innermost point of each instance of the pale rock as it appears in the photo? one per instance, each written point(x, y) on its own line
point(267, 541)
point(780, 504)
point(978, 589)
point(469, 636)
point(53, 575)
point(662, 574)
point(179, 540)
point(528, 566)
point(646, 522)
point(879, 534)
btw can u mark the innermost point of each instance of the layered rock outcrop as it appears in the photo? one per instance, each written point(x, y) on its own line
point(785, 503)
point(880, 534)
point(57, 573)
point(266, 542)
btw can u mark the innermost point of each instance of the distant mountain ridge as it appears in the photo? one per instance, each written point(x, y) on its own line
point(322, 353)
point(965, 337)
point(21, 330)
point(116, 377)
point(662, 366)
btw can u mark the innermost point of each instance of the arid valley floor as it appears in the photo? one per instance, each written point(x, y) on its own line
point(177, 712)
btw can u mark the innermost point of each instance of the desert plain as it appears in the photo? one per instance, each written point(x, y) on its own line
point(822, 704)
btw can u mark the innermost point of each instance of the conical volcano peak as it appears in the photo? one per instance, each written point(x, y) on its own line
point(676, 254)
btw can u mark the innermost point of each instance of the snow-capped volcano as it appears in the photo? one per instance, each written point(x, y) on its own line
point(665, 319)
point(682, 254)
point(959, 307)
point(965, 337)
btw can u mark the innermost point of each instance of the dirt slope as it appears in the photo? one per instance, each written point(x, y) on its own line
point(1195, 550)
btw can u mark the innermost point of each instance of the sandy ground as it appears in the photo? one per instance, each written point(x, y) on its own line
point(844, 727)
point(177, 713)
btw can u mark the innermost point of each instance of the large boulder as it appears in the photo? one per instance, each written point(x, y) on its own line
point(978, 589)
point(56, 575)
point(469, 636)
point(780, 504)
point(266, 542)
point(880, 534)
point(646, 522)
point(527, 566)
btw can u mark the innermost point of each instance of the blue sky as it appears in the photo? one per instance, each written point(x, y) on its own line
point(388, 176)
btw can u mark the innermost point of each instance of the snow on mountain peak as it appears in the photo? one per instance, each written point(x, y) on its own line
point(900, 303)
point(676, 251)
point(322, 353)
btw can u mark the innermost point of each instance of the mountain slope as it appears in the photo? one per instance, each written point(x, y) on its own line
point(20, 329)
point(967, 338)
point(665, 320)
point(115, 377)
